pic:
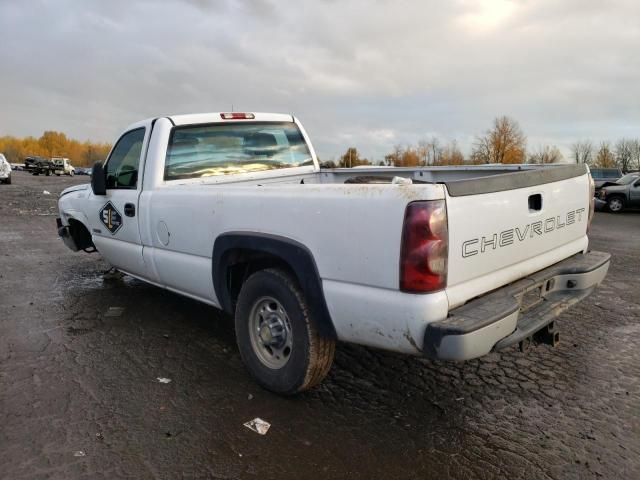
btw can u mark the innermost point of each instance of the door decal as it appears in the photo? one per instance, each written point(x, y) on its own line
point(111, 218)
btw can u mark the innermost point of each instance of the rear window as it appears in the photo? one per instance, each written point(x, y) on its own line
point(605, 173)
point(231, 148)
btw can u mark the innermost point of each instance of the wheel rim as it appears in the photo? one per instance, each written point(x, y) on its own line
point(615, 204)
point(270, 332)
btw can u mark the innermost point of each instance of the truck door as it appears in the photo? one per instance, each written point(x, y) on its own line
point(634, 194)
point(114, 216)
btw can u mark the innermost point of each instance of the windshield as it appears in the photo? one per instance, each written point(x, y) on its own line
point(628, 178)
point(223, 149)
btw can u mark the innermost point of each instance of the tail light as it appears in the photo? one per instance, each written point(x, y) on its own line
point(424, 249)
point(592, 201)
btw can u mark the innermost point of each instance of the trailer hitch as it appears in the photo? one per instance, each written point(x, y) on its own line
point(547, 335)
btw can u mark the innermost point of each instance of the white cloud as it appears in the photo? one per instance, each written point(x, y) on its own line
point(361, 73)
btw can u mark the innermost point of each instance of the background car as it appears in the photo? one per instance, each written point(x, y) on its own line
point(603, 175)
point(623, 193)
point(5, 170)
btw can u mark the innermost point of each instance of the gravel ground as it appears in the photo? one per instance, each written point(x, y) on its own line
point(79, 397)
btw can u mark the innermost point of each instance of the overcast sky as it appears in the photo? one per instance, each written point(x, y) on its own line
point(369, 74)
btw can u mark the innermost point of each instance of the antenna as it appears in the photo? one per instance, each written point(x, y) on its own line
point(232, 107)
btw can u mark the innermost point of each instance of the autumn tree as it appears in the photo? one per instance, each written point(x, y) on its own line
point(351, 158)
point(546, 154)
point(403, 157)
point(605, 157)
point(53, 144)
point(503, 143)
point(451, 155)
point(582, 152)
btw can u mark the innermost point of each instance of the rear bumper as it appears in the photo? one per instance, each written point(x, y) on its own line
point(515, 312)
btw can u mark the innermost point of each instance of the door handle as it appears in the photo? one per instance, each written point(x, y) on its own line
point(129, 209)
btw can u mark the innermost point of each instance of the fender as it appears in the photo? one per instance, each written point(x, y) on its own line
point(298, 257)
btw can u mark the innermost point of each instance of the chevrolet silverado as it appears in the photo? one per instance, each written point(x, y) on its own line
point(232, 209)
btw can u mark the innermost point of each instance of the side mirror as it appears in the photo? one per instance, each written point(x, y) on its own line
point(98, 179)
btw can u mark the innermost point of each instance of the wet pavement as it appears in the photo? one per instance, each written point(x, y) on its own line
point(80, 357)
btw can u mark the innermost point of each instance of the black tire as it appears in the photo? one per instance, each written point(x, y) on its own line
point(310, 355)
point(615, 203)
point(8, 180)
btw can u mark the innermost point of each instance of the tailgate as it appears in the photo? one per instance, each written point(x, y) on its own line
point(504, 227)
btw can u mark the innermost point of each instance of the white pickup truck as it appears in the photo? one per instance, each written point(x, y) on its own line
point(64, 166)
point(232, 209)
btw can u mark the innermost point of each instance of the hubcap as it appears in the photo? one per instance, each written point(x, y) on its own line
point(615, 204)
point(270, 332)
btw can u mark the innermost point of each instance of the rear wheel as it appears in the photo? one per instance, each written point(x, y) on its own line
point(615, 204)
point(277, 335)
point(8, 180)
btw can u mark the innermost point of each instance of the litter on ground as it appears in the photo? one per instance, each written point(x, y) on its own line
point(258, 425)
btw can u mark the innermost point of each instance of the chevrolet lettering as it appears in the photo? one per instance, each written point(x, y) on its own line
point(517, 235)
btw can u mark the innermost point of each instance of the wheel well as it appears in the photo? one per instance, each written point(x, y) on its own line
point(241, 263)
point(81, 236)
point(237, 255)
point(617, 195)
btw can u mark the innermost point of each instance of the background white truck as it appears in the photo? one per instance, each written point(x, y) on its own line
point(64, 165)
point(233, 210)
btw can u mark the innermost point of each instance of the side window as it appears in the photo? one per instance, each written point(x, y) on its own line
point(122, 165)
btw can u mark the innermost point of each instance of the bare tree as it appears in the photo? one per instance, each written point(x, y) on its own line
point(435, 151)
point(635, 154)
point(481, 152)
point(423, 152)
point(546, 154)
point(624, 153)
point(582, 151)
point(394, 158)
point(503, 143)
point(605, 157)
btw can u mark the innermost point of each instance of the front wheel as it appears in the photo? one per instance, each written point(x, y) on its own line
point(615, 204)
point(277, 335)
